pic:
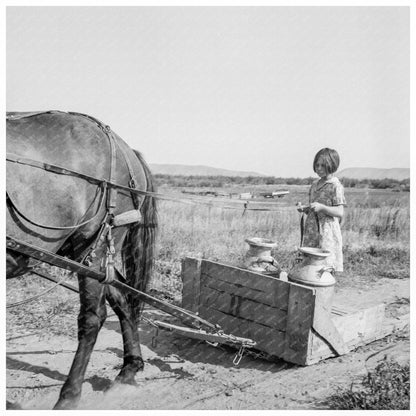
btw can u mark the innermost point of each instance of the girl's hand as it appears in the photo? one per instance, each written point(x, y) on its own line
point(331, 211)
point(317, 207)
point(302, 208)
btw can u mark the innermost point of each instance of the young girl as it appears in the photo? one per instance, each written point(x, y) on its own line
point(326, 209)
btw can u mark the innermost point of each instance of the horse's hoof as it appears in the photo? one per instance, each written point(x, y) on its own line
point(129, 380)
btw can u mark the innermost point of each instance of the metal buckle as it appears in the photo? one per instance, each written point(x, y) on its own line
point(133, 183)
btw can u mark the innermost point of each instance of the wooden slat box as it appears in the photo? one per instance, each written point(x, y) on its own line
point(287, 320)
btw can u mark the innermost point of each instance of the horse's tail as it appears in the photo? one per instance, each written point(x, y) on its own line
point(139, 245)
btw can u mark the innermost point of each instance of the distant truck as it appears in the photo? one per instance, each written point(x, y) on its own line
point(278, 194)
point(249, 195)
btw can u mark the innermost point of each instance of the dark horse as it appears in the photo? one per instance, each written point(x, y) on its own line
point(69, 215)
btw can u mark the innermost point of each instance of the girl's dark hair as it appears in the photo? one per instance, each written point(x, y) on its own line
point(330, 158)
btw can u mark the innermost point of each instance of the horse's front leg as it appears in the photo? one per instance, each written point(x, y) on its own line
point(90, 320)
point(132, 358)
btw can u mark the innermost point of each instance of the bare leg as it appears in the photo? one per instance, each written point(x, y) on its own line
point(90, 320)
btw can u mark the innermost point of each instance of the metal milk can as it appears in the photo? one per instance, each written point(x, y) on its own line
point(313, 272)
point(259, 256)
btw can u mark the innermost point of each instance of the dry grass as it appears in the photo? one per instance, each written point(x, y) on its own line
point(385, 388)
point(376, 233)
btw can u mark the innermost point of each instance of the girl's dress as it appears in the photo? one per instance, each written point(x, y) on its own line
point(321, 230)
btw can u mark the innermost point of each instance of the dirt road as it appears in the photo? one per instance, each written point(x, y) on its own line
point(181, 373)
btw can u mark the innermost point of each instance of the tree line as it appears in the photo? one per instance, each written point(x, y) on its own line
point(224, 181)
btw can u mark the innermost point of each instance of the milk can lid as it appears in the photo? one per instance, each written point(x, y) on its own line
point(261, 242)
point(314, 251)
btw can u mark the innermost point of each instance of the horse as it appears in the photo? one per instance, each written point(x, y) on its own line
point(52, 203)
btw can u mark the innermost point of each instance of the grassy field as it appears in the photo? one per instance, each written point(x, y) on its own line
point(376, 233)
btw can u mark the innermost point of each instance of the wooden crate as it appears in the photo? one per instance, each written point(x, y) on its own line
point(287, 320)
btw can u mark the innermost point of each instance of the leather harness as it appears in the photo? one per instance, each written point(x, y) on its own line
point(109, 193)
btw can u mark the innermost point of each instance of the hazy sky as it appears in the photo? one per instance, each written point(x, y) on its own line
point(243, 88)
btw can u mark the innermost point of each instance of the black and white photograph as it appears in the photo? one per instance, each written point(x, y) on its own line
point(207, 206)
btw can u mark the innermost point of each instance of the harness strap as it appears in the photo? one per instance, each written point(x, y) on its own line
point(133, 180)
point(51, 227)
point(12, 116)
point(112, 191)
point(99, 239)
point(10, 157)
point(112, 194)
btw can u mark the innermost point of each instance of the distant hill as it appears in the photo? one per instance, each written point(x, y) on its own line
point(195, 170)
point(374, 173)
point(352, 173)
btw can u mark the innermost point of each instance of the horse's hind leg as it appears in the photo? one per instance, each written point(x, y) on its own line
point(90, 320)
point(132, 361)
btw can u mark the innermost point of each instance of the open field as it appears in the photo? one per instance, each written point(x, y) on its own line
point(41, 335)
point(376, 233)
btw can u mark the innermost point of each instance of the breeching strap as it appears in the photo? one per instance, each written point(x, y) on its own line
point(51, 227)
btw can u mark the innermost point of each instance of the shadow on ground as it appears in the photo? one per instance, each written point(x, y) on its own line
point(165, 343)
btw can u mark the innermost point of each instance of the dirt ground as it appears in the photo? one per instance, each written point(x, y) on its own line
point(182, 373)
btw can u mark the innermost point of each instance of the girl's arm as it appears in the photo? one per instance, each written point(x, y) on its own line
point(333, 211)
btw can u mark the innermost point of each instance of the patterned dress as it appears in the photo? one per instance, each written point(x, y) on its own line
point(321, 230)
